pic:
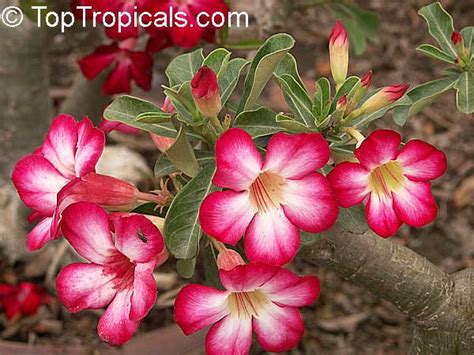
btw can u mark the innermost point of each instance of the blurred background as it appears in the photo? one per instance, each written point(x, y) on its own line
point(39, 78)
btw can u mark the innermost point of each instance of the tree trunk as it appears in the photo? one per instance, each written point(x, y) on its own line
point(440, 305)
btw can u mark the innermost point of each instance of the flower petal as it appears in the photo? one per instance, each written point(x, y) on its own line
point(40, 235)
point(271, 238)
point(189, 35)
point(144, 291)
point(349, 183)
point(115, 326)
point(230, 336)
point(248, 277)
point(84, 286)
point(90, 145)
point(414, 204)
point(278, 328)
point(289, 289)
point(118, 80)
point(137, 238)
point(86, 226)
point(141, 69)
point(93, 64)
point(38, 183)
point(225, 215)
point(310, 204)
point(294, 156)
point(238, 161)
point(198, 306)
point(381, 216)
point(378, 148)
point(421, 161)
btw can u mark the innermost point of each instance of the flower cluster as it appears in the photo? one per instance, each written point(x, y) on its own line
point(128, 61)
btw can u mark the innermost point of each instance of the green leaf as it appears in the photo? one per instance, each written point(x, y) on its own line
point(297, 99)
point(322, 99)
point(181, 154)
point(186, 268)
point(229, 77)
point(353, 219)
point(434, 52)
point(165, 167)
point(245, 44)
point(153, 117)
point(126, 109)
point(440, 26)
point(258, 123)
point(182, 100)
point(183, 67)
point(345, 89)
point(265, 62)
point(465, 93)
point(211, 272)
point(217, 59)
point(182, 229)
point(422, 96)
point(289, 124)
point(307, 239)
point(468, 35)
point(289, 66)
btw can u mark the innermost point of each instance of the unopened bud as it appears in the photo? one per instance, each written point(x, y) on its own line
point(341, 103)
point(384, 97)
point(168, 106)
point(228, 259)
point(162, 143)
point(456, 38)
point(339, 53)
point(366, 80)
point(205, 92)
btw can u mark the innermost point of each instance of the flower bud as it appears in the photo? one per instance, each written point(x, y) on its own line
point(341, 103)
point(162, 143)
point(339, 53)
point(366, 80)
point(205, 92)
point(168, 106)
point(456, 38)
point(383, 98)
point(228, 259)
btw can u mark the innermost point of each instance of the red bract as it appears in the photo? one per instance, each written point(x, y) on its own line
point(128, 65)
point(257, 297)
point(23, 299)
point(393, 183)
point(123, 252)
point(269, 201)
point(71, 150)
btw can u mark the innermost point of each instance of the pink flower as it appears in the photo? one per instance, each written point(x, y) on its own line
point(71, 150)
point(23, 299)
point(393, 183)
point(269, 201)
point(205, 92)
point(128, 65)
point(189, 36)
point(339, 52)
point(123, 252)
point(257, 297)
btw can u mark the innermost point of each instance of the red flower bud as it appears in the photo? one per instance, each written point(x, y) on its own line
point(168, 106)
point(342, 102)
point(205, 91)
point(228, 259)
point(456, 38)
point(366, 80)
point(395, 92)
point(339, 52)
point(382, 99)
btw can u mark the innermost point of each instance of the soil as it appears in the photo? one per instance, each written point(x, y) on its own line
point(346, 319)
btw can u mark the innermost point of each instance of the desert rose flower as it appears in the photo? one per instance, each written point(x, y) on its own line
point(257, 298)
point(71, 150)
point(269, 201)
point(23, 299)
point(205, 92)
point(123, 252)
point(393, 183)
point(128, 65)
point(339, 52)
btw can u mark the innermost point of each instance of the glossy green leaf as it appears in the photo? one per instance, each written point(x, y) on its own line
point(181, 154)
point(229, 77)
point(182, 100)
point(258, 123)
point(465, 93)
point(468, 35)
point(345, 89)
point(182, 229)
point(183, 67)
point(265, 62)
point(322, 99)
point(289, 66)
point(440, 26)
point(165, 167)
point(217, 59)
point(186, 268)
point(434, 52)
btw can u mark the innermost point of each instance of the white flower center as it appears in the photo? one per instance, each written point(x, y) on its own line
point(266, 192)
point(386, 179)
point(245, 305)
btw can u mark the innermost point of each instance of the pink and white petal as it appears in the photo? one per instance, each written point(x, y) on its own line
point(198, 306)
point(247, 278)
point(40, 234)
point(350, 183)
point(118, 81)
point(115, 327)
point(225, 215)
point(271, 238)
point(38, 183)
point(278, 329)
point(137, 238)
point(230, 336)
point(415, 204)
point(90, 145)
point(289, 289)
point(294, 156)
point(238, 161)
point(85, 225)
point(309, 203)
point(60, 145)
point(84, 286)
point(381, 216)
point(421, 161)
point(144, 291)
point(378, 148)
